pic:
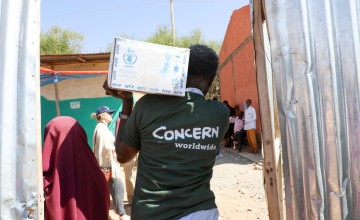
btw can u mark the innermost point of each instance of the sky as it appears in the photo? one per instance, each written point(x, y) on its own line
point(100, 21)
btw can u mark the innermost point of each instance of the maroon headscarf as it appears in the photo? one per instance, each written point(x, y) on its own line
point(75, 187)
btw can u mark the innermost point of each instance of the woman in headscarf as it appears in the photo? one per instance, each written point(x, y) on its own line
point(74, 185)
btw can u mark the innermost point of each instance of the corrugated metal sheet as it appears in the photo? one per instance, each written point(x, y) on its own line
point(66, 59)
point(20, 148)
point(315, 56)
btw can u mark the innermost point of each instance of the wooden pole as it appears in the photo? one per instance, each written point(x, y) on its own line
point(271, 166)
point(57, 105)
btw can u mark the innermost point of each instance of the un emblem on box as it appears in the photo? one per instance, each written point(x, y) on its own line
point(149, 68)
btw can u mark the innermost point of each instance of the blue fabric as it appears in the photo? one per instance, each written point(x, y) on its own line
point(48, 78)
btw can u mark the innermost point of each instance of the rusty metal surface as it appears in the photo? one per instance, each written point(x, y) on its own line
point(66, 59)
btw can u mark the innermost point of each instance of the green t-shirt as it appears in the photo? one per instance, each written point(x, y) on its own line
point(177, 138)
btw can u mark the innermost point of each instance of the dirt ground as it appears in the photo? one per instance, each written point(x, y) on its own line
point(238, 186)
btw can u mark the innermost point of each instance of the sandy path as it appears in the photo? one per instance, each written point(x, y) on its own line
point(238, 187)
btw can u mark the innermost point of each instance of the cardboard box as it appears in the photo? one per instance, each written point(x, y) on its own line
point(148, 68)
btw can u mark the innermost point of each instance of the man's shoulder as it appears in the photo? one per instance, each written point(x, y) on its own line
point(154, 103)
point(219, 105)
point(154, 100)
point(153, 97)
point(218, 108)
point(249, 108)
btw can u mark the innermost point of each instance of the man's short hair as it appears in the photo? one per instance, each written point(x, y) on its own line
point(203, 62)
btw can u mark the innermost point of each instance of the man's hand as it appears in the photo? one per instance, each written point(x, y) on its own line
point(126, 96)
point(124, 152)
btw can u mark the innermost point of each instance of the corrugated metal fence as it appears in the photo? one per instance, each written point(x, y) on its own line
point(315, 62)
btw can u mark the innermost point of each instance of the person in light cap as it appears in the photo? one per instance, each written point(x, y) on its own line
point(176, 138)
point(104, 150)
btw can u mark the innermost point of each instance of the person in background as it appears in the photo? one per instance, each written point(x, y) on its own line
point(239, 133)
point(218, 149)
point(230, 130)
point(128, 171)
point(104, 150)
point(250, 126)
point(176, 138)
point(237, 110)
point(232, 110)
point(74, 186)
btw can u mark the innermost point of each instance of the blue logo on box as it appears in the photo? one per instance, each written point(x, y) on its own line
point(174, 82)
point(130, 57)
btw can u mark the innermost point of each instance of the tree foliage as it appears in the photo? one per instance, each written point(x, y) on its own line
point(60, 41)
point(163, 35)
point(110, 46)
point(215, 45)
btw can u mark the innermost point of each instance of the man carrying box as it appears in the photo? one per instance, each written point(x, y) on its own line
point(176, 138)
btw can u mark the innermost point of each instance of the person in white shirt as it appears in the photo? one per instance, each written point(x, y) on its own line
point(104, 150)
point(250, 126)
